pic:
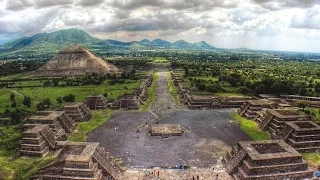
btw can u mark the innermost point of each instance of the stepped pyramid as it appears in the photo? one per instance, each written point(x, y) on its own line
point(75, 61)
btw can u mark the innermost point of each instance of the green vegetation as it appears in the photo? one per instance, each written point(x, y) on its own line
point(152, 93)
point(251, 128)
point(160, 60)
point(249, 77)
point(312, 158)
point(80, 133)
point(173, 90)
point(21, 168)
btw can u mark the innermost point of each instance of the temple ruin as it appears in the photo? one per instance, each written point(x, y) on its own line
point(58, 122)
point(95, 102)
point(251, 107)
point(78, 112)
point(75, 61)
point(166, 130)
point(37, 141)
point(304, 136)
point(134, 100)
point(275, 119)
point(265, 160)
point(80, 160)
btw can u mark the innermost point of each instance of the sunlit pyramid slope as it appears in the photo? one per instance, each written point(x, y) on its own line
point(75, 61)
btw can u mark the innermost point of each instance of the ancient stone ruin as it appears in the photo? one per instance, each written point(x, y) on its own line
point(252, 107)
point(78, 112)
point(95, 102)
point(37, 141)
point(275, 119)
point(126, 102)
point(166, 130)
point(134, 100)
point(304, 136)
point(80, 160)
point(58, 122)
point(75, 61)
point(265, 160)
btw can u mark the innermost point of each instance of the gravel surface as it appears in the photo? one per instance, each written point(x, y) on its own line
point(210, 133)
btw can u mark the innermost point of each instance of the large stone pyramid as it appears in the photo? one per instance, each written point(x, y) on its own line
point(75, 61)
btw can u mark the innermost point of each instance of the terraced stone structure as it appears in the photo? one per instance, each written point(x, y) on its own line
point(95, 102)
point(200, 102)
point(266, 160)
point(166, 130)
point(78, 112)
point(75, 61)
point(37, 141)
point(275, 119)
point(304, 136)
point(250, 108)
point(80, 160)
point(176, 77)
point(126, 102)
point(58, 122)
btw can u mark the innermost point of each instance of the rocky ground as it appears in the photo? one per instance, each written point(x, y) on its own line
point(210, 133)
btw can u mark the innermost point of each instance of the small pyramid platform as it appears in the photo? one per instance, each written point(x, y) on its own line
point(75, 61)
point(266, 160)
point(80, 160)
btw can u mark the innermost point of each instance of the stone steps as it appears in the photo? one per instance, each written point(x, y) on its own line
point(297, 175)
point(303, 144)
point(283, 168)
point(308, 149)
point(305, 137)
point(41, 153)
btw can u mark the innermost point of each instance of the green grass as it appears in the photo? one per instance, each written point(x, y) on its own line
point(160, 60)
point(173, 90)
point(80, 133)
point(21, 168)
point(251, 128)
point(313, 159)
point(12, 166)
point(152, 93)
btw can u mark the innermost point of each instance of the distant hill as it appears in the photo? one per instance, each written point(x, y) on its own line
point(52, 43)
point(58, 38)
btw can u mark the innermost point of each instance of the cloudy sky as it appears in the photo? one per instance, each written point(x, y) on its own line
point(291, 25)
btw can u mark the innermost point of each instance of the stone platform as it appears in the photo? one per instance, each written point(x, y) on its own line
point(95, 102)
point(266, 160)
point(250, 108)
point(80, 160)
point(78, 112)
point(304, 136)
point(166, 130)
point(58, 122)
point(37, 141)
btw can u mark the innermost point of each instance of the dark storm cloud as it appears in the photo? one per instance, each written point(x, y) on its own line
point(282, 4)
point(134, 4)
point(173, 4)
point(159, 21)
point(88, 2)
point(16, 5)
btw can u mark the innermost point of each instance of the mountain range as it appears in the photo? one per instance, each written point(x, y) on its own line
point(46, 42)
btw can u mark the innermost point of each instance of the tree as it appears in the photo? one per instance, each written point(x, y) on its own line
point(27, 101)
point(7, 113)
point(47, 102)
point(302, 104)
point(14, 104)
point(40, 107)
point(69, 98)
point(59, 100)
point(12, 96)
point(46, 83)
point(105, 94)
point(317, 87)
point(15, 117)
point(55, 82)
